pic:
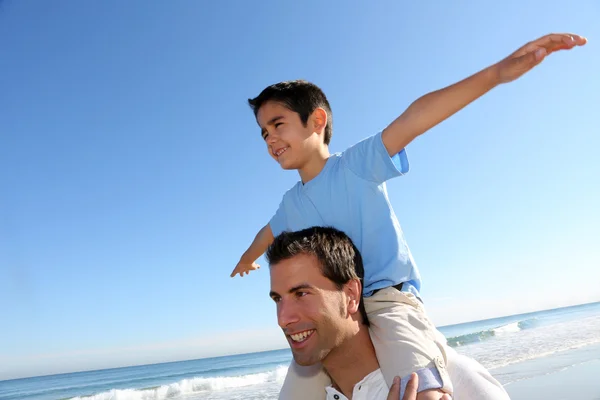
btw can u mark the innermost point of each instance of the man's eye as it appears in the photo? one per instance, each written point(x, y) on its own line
point(278, 123)
point(301, 294)
point(276, 299)
point(265, 136)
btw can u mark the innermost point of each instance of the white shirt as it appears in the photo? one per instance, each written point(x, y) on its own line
point(372, 387)
point(471, 381)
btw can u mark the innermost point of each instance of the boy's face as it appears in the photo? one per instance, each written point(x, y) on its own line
point(288, 141)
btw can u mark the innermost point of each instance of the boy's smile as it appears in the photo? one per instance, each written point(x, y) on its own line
point(280, 151)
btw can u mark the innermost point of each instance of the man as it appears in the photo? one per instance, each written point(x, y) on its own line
point(316, 283)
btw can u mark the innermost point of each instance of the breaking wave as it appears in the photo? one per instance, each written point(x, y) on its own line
point(188, 386)
point(480, 336)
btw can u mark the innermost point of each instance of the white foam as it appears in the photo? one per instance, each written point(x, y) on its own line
point(192, 385)
point(509, 328)
point(534, 343)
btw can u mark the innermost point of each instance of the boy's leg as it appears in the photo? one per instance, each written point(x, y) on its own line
point(303, 383)
point(471, 380)
point(405, 340)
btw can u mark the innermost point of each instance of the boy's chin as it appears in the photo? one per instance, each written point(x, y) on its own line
point(286, 166)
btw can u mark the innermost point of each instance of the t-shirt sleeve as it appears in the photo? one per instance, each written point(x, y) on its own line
point(369, 159)
point(278, 220)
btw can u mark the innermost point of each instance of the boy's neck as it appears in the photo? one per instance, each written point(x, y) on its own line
point(314, 165)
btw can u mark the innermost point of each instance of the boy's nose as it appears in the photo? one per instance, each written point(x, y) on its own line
point(272, 138)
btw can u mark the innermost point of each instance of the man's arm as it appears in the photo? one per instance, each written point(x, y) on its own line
point(259, 245)
point(433, 108)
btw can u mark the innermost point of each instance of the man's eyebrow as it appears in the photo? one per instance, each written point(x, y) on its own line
point(300, 287)
point(263, 131)
point(295, 289)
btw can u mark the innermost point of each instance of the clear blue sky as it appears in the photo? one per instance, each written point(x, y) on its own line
point(132, 174)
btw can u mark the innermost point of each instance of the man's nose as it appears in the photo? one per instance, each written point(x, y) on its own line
point(286, 314)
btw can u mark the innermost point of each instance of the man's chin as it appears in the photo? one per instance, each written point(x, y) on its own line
point(306, 360)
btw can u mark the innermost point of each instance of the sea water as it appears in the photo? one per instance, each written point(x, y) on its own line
point(514, 348)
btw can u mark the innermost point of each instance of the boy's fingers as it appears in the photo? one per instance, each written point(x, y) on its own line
point(552, 42)
point(560, 41)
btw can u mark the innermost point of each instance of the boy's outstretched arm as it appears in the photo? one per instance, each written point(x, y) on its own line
point(434, 107)
point(259, 245)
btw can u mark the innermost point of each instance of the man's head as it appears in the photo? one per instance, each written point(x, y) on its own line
point(295, 120)
point(316, 282)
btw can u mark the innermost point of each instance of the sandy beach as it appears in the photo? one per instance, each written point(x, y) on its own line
point(568, 375)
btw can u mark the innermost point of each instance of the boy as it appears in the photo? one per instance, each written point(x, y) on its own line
point(347, 191)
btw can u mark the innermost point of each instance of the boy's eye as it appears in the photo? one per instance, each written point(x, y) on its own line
point(278, 123)
point(301, 294)
point(276, 299)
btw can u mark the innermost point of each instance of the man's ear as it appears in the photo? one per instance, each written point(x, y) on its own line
point(319, 120)
point(353, 290)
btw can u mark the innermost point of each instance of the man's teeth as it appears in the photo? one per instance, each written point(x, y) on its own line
point(280, 151)
point(301, 337)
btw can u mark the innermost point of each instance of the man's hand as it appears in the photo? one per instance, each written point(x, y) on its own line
point(242, 268)
point(411, 390)
point(533, 53)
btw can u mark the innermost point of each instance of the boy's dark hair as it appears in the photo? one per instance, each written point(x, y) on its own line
point(339, 259)
point(299, 96)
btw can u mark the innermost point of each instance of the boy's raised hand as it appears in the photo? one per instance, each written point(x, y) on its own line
point(242, 268)
point(533, 53)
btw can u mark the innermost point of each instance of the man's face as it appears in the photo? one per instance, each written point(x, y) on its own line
point(288, 141)
point(311, 311)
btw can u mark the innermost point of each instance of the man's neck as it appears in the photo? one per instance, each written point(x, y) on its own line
point(351, 362)
point(314, 166)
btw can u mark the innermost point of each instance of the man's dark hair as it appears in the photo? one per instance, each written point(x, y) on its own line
point(339, 259)
point(299, 96)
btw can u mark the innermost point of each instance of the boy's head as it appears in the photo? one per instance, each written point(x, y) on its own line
point(295, 118)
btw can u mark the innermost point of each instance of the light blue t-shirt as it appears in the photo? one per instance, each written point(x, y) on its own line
point(350, 194)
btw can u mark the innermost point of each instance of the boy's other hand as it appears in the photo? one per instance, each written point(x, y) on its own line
point(533, 53)
point(242, 268)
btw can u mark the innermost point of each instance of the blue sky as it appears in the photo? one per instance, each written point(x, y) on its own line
point(133, 175)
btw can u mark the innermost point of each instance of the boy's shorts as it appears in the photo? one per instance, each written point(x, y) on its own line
point(405, 341)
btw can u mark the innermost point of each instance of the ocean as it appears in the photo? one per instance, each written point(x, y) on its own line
point(516, 349)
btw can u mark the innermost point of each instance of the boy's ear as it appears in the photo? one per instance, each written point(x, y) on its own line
point(353, 291)
point(319, 120)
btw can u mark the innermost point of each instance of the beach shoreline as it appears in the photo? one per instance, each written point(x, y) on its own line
point(568, 375)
